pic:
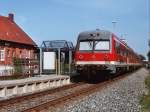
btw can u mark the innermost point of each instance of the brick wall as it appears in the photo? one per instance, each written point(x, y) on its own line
point(14, 51)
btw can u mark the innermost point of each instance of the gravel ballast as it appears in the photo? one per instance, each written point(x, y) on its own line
point(121, 96)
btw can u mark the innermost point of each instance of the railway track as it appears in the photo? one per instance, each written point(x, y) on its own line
point(73, 95)
point(52, 98)
point(10, 103)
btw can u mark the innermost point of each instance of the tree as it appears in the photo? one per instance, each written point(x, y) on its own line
point(148, 55)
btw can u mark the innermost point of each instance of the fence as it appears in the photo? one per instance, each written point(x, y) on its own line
point(20, 67)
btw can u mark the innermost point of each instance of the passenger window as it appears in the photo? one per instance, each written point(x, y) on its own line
point(118, 50)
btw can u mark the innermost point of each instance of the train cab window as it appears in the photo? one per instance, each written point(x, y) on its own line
point(102, 45)
point(86, 45)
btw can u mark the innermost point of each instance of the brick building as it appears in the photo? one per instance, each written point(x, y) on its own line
point(14, 44)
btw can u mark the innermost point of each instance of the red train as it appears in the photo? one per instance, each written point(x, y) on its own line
point(103, 50)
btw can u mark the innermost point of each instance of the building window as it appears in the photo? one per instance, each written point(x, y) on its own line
point(20, 54)
point(29, 52)
point(13, 53)
point(26, 54)
point(8, 53)
point(2, 54)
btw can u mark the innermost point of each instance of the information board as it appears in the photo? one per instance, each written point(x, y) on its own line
point(49, 60)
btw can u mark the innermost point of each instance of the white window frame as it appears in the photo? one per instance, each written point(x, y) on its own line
point(2, 54)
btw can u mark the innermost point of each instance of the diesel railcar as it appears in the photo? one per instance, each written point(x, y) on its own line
point(103, 50)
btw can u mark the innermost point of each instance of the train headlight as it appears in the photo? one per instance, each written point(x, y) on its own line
point(80, 56)
point(106, 57)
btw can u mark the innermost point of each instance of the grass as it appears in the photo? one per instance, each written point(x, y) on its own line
point(145, 100)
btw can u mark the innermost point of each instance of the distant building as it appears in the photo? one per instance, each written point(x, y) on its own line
point(146, 63)
point(14, 44)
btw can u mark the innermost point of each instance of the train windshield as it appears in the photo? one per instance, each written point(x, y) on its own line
point(86, 45)
point(102, 45)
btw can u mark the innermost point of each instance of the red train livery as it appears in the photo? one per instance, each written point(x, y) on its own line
point(103, 50)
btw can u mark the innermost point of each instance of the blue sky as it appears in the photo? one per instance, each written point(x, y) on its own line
point(65, 19)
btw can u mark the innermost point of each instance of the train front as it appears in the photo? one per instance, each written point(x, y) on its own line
point(94, 51)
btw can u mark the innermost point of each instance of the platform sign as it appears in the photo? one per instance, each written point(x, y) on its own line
point(49, 60)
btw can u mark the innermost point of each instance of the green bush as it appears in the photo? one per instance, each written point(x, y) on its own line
point(145, 100)
point(147, 82)
point(17, 66)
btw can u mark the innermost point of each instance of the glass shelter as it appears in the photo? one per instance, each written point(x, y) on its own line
point(56, 57)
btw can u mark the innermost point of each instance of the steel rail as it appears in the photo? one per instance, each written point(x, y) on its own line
point(37, 94)
point(81, 92)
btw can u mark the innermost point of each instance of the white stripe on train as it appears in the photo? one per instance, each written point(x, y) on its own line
point(103, 63)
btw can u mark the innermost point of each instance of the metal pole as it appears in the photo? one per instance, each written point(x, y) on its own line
point(149, 25)
point(41, 61)
point(56, 63)
point(114, 25)
point(70, 61)
point(59, 72)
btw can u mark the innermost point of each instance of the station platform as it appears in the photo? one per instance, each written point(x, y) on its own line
point(10, 88)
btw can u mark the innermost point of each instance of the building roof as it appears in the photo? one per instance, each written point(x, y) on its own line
point(10, 31)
